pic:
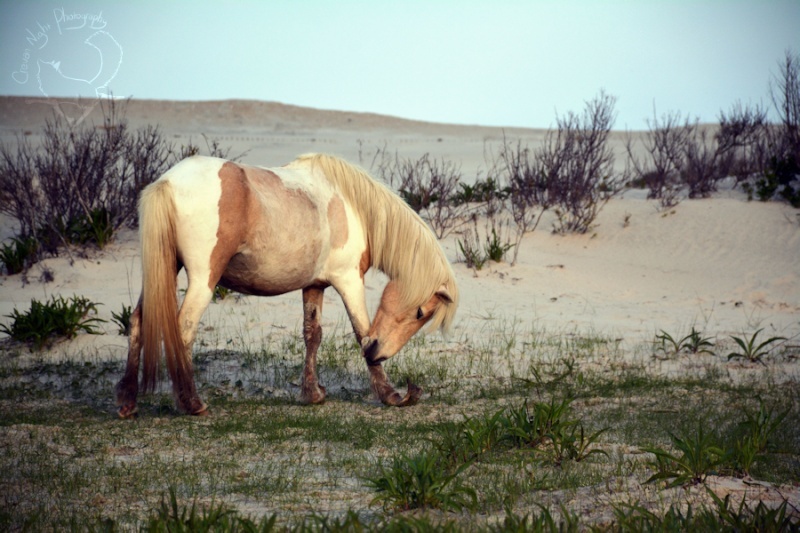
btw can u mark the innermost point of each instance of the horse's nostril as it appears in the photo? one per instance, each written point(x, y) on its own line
point(371, 352)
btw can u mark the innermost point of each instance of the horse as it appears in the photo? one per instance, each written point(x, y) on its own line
point(314, 223)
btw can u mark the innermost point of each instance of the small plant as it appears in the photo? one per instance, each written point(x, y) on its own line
point(699, 457)
point(18, 255)
point(693, 343)
point(745, 452)
point(495, 249)
point(421, 482)
point(580, 447)
point(470, 439)
point(760, 426)
point(568, 522)
point(57, 318)
point(480, 191)
point(749, 350)
point(473, 256)
point(531, 430)
point(220, 293)
point(744, 518)
point(98, 227)
point(721, 516)
point(173, 517)
point(568, 441)
point(123, 320)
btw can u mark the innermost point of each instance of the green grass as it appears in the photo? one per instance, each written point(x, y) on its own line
point(748, 349)
point(56, 318)
point(421, 481)
point(520, 418)
point(17, 255)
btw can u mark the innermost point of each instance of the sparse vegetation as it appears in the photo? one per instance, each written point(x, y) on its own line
point(518, 429)
point(429, 186)
point(685, 157)
point(748, 349)
point(18, 254)
point(419, 482)
point(58, 317)
point(699, 456)
point(578, 165)
point(486, 445)
point(123, 320)
point(693, 343)
point(87, 179)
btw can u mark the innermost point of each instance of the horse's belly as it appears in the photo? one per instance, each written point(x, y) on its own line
point(269, 275)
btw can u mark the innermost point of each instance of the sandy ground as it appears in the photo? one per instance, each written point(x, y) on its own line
point(723, 264)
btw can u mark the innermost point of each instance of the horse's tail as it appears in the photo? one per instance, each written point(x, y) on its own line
point(160, 325)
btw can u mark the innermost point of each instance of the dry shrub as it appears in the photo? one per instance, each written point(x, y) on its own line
point(428, 186)
point(685, 156)
point(82, 182)
point(577, 165)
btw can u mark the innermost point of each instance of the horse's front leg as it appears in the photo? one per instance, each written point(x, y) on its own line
point(386, 393)
point(312, 392)
point(128, 386)
point(352, 293)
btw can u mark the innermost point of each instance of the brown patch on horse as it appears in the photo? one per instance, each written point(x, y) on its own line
point(365, 263)
point(269, 234)
point(234, 203)
point(337, 220)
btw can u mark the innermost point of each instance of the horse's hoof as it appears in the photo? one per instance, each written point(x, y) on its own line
point(127, 412)
point(313, 396)
point(203, 411)
point(413, 394)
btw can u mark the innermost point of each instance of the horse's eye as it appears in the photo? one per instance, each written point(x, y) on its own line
point(420, 314)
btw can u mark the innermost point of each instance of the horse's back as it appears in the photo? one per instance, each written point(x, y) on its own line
point(262, 230)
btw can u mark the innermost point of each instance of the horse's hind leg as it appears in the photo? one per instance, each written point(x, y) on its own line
point(197, 298)
point(312, 392)
point(128, 386)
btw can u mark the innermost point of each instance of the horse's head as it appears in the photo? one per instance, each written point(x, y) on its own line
point(395, 323)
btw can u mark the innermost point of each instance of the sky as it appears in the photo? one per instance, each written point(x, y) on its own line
point(495, 63)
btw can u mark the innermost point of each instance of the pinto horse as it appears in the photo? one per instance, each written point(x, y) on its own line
point(315, 223)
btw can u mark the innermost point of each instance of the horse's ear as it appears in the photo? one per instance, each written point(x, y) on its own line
point(444, 294)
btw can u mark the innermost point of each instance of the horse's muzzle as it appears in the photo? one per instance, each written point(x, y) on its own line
point(371, 351)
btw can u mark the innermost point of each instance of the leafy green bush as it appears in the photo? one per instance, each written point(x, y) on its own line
point(693, 343)
point(480, 191)
point(123, 320)
point(496, 249)
point(722, 516)
point(94, 227)
point(760, 426)
point(700, 455)
point(18, 255)
point(748, 349)
point(173, 517)
point(780, 178)
point(419, 482)
point(58, 317)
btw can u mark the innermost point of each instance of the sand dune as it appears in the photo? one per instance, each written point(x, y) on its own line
point(723, 264)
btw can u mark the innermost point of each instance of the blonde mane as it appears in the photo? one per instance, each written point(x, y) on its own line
point(400, 243)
